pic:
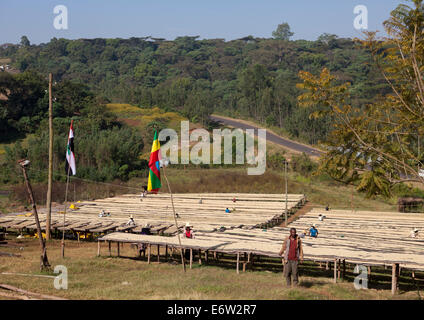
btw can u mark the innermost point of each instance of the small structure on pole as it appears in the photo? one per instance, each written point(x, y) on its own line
point(44, 262)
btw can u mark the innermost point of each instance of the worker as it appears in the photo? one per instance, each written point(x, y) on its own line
point(200, 201)
point(234, 199)
point(146, 229)
point(227, 210)
point(103, 213)
point(414, 233)
point(292, 253)
point(144, 192)
point(313, 232)
point(327, 207)
point(321, 217)
point(303, 234)
point(131, 221)
point(188, 233)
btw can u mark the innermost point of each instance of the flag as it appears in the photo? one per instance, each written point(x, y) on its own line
point(154, 167)
point(70, 156)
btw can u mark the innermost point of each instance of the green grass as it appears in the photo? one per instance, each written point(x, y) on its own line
point(319, 192)
point(104, 277)
point(141, 117)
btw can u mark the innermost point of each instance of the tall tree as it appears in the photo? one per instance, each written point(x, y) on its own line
point(380, 144)
point(283, 32)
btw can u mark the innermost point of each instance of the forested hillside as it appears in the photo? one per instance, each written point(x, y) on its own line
point(249, 77)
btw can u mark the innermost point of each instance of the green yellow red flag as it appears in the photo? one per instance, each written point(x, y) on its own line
point(154, 183)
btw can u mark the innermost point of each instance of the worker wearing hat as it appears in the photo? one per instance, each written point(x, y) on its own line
point(414, 233)
point(131, 221)
point(188, 233)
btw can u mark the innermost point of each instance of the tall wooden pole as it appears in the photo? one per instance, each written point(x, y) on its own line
point(64, 213)
point(285, 175)
point(175, 219)
point(49, 186)
point(44, 262)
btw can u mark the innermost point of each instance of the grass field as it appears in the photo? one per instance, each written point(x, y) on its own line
point(104, 277)
point(318, 190)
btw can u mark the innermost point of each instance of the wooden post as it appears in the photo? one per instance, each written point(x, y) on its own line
point(200, 257)
point(214, 255)
point(369, 273)
point(338, 268)
point(335, 271)
point(117, 245)
point(175, 219)
point(395, 275)
point(206, 256)
point(166, 252)
point(191, 258)
point(327, 267)
point(238, 262)
point(344, 269)
point(44, 262)
point(158, 253)
point(149, 248)
point(50, 177)
point(98, 248)
point(110, 248)
point(245, 262)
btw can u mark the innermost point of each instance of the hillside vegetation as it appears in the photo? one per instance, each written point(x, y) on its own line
point(250, 77)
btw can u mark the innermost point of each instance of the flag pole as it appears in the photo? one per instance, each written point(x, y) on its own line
point(64, 213)
point(175, 218)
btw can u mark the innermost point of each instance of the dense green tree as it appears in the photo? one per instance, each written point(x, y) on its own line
point(282, 32)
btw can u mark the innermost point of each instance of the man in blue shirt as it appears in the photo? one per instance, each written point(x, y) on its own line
point(313, 232)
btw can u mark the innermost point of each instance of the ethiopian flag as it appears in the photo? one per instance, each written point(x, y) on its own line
point(70, 166)
point(154, 184)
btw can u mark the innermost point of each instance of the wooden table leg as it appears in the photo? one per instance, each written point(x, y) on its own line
point(149, 248)
point(395, 275)
point(238, 262)
point(338, 268)
point(335, 271)
point(110, 248)
point(117, 244)
point(369, 274)
point(166, 253)
point(200, 257)
point(98, 248)
point(191, 258)
point(158, 253)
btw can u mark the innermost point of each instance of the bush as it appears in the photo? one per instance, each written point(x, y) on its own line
point(304, 165)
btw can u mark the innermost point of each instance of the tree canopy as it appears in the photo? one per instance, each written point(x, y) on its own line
point(378, 144)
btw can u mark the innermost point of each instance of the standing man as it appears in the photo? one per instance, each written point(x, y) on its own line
point(292, 253)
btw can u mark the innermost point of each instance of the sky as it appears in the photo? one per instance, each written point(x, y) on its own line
point(228, 19)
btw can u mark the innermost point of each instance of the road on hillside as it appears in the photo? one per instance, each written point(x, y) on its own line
point(269, 136)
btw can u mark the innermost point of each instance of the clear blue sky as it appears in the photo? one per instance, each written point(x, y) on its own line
point(229, 19)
